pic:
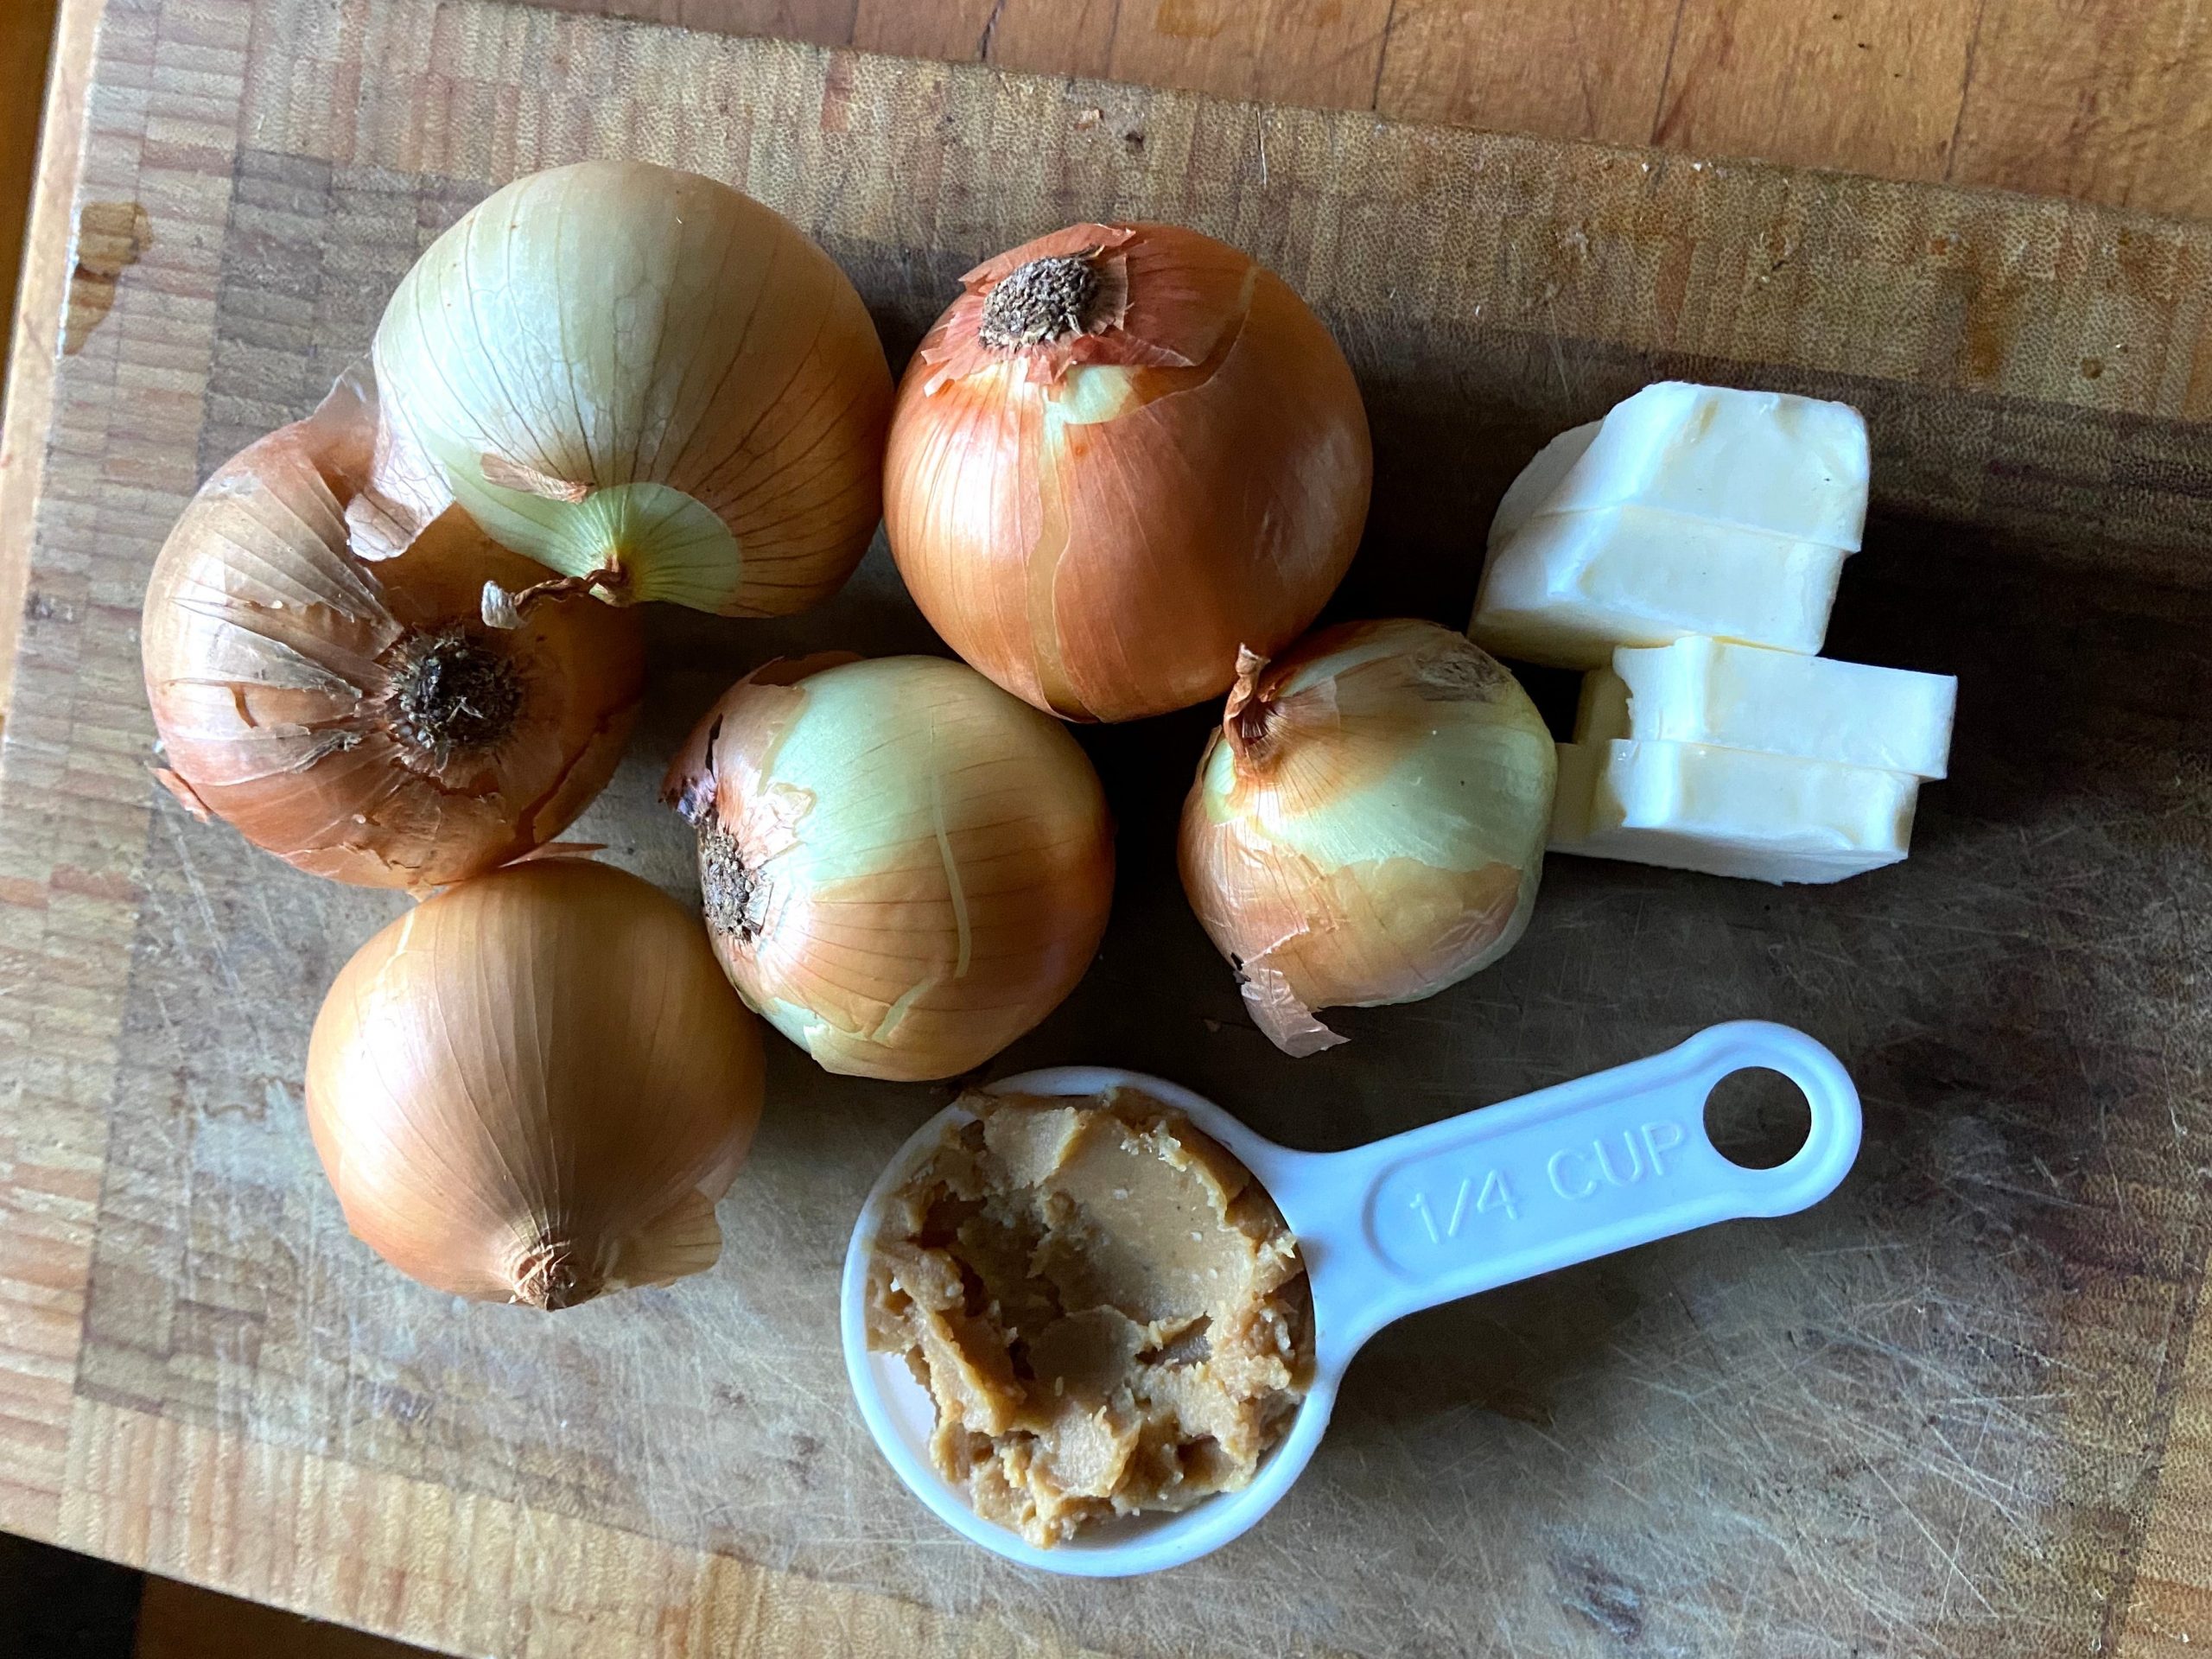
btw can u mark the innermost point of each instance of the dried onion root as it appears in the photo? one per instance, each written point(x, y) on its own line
point(1368, 823)
point(533, 1087)
point(905, 869)
point(1124, 452)
point(359, 720)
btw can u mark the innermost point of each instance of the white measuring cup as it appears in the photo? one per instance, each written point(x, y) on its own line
point(1496, 1195)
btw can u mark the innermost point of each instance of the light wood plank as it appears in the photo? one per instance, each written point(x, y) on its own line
point(1323, 53)
point(1055, 37)
point(2109, 100)
point(2105, 100)
point(1864, 85)
point(1049, 37)
point(956, 30)
point(1565, 68)
point(822, 23)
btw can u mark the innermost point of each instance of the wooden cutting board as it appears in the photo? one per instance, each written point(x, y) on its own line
point(1957, 1409)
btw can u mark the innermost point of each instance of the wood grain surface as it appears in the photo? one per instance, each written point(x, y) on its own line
point(1955, 1410)
point(2107, 100)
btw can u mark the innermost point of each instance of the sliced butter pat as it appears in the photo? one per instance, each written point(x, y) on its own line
point(1602, 714)
point(1567, 589)
point(1763, 460)
point(1529, 493)
point(1699, 690)
point(1734, 812)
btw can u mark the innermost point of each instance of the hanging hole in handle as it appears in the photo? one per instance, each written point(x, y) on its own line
point(1756, 1118)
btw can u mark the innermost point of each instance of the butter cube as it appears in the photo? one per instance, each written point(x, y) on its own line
point(1734, 812)
point(1761, 461)
point(1566, 589)
point(1701, 691)
point(1602, 714)
point(1531, 490)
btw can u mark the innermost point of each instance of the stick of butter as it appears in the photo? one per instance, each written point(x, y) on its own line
point(1734, 812)
point(1732, 697)
point(1602, 713)
point(1688, 510)
point(1531, 490)
point(1566, 589)
point(1764, 460)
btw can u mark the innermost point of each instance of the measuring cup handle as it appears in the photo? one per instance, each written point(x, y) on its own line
point(1607, 1161)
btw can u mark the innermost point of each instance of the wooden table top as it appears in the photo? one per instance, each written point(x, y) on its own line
point(2108, 101)
point(2105, 100)
point(1959, 1410)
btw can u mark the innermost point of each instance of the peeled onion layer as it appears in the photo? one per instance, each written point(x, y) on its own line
point(694, 560)
point(904, 868)
point(1367, 825)
point(1099, 521)
point(617, 367)
point(283, 672)
point(534, 1086)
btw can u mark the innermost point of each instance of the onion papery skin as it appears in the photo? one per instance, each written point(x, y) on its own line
point(534, 1086)
point(905, 869)
point(1099, 522)
point(620, 366)
point(277, 662)
point(1367, 825)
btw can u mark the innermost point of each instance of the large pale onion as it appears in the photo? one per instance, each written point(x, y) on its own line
point(905, 869)
point(1367, 825)
point(643, 377)
point(357, 719)
point(1124, 452)
point(533, 1087)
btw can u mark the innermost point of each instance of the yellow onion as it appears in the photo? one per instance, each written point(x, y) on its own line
point(533, 1086)
point(1125, 451)
point(905, 869)
point(645, 377)
point(359, 720)
point(1367, 825)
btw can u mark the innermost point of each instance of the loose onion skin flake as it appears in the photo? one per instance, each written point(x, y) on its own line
point(533, 1086)
point(1367, 824)
point(358, 719)
point(644, 380)
point(905, 869)
point(1124, 452)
